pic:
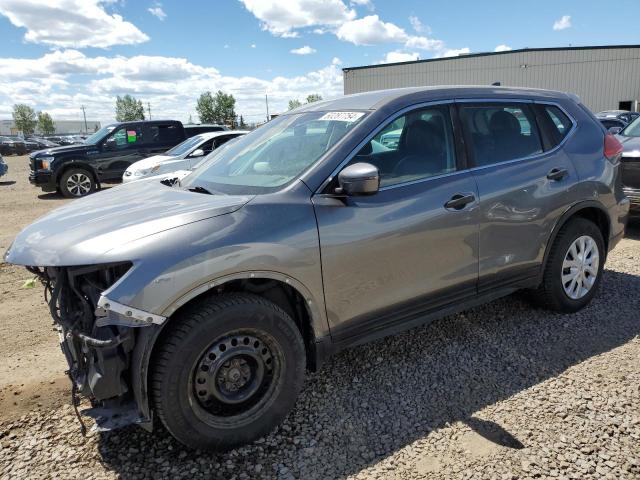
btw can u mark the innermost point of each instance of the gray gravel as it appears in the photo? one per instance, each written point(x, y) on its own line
point(503, 391)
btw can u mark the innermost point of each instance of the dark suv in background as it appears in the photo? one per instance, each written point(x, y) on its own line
point(77, 170)
point(201, 302)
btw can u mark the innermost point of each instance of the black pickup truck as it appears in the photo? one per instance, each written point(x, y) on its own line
point(77, 170)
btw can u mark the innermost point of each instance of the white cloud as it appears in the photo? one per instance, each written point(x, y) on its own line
point(418, 26)
point(306, 50)
point(393, 57)
point(282, 17)
point(453, 52)
point(424, 43)
point(370, 30)
point(502, 48)
point(157, 12)
point(70, 23)
point(60, 81)
point(361, 2)
point(563, 23)
point(253, 45)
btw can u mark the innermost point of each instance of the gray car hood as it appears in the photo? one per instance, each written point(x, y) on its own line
point(86, 229)
point(630, 144)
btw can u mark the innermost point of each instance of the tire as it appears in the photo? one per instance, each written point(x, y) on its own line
point(76, 182)
point(199, 406)
point(558, 292)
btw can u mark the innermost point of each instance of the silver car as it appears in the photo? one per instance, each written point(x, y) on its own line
point(201, 301)
point(630, 139)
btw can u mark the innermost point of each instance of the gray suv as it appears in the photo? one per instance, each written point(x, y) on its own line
point(202, 300)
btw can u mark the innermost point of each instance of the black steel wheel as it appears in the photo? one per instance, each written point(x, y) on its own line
point(227, 371)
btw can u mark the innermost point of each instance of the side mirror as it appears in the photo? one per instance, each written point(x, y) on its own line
point(358, 179)
point(615, 130)
point(110, 144)
point(198, 152)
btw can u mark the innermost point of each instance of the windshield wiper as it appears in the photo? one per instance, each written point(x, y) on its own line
point(199, 189)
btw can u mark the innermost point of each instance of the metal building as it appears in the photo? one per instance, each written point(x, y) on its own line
point(605, 77)
point(8, 127)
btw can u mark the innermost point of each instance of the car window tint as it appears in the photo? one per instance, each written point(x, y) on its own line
point(501, 132)
point(561, 123)
point(163, 134)
point(417, 145)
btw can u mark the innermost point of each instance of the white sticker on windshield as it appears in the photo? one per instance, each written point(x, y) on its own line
point(342, 116)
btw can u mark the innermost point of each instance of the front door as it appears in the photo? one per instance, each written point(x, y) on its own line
point(525, 183)
point(119, 150)
point(389, 257)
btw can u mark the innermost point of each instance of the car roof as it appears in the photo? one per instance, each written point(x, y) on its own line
point(380, 98)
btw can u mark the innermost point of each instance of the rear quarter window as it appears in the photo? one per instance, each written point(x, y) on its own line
point(558, 123)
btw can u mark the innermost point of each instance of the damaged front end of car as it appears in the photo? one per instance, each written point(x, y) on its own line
point(98, 338)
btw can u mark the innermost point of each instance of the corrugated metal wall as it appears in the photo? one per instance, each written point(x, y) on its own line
point(602, 77)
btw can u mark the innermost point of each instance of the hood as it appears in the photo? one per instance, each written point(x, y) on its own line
point(78, 147)
point(149, 162)
point(81, 232)
point(631, 145)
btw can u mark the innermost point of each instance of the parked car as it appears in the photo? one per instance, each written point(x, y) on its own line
point(624, 115)
point(7, 146)
point(4, 168)
point(200, 302)
point(39, 143)
point(196, 129)
point(181, 157)
point(630, 139)
point(612, 124)
point(65, 140)
point(77, 170)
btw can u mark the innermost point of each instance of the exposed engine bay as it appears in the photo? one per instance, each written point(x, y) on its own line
point(98, 351)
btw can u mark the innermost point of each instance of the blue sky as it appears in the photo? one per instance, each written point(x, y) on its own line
point(65, 53)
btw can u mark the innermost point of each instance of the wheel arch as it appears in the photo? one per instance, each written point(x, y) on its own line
point(286, 292)
point(69, 164)
point(590, 210)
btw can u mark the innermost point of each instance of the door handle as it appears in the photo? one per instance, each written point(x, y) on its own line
point(459, 201)
point(557, 174)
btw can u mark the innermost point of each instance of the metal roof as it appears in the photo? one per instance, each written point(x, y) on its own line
point(486, 54)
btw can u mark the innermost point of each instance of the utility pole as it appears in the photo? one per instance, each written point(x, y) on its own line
point(149, 109)
point(266, 100)
point(86, 130)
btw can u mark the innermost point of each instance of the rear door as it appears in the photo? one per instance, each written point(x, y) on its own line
point(525, 182)
point(389, 257)
point(119, 150)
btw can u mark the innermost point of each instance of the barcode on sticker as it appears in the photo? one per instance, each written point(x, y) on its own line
point(342, 116)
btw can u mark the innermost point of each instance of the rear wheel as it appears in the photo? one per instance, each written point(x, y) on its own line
point(228, 371)
point(574, 267)
point(76, 182)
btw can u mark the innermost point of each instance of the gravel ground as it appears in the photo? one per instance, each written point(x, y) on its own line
point(502, 391)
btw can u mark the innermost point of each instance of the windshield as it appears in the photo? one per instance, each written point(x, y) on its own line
point(99, 135)
point(632, 130)
point(185, 146)
point(274, 154)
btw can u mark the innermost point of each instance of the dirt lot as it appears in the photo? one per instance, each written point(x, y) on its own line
point(503, 391)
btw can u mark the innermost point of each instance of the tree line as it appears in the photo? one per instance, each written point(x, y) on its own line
point(217, 108)
point(28, 121)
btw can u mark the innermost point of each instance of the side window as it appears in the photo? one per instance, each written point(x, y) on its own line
point(501, 132)
point(417, 145)
point(163, 134)
point(559, 123)
point(126, 137)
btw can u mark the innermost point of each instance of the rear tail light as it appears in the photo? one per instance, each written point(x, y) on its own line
point(612, 147)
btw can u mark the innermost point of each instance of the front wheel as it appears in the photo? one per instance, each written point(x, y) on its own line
point(574, 267)
point(227, 371)
point(76, 182)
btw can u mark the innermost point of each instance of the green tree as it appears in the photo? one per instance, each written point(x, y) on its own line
point(295, 103)
point(45, 124)
point(216, 109)
point(314, 97)
point(242, 124)
point(24, 118)
point(129, 109)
